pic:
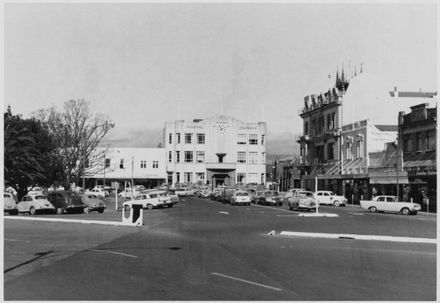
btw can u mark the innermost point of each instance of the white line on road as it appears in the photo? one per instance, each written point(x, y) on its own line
point(246, 281)
point(224, 212)
point(14, 240)
point(114, 252)
point(357, 214)
point(359, 237)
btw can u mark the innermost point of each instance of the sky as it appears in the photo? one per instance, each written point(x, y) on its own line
point(143, 64)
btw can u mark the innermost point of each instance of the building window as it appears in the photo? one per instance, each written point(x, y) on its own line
point(200, 138)
point(241, 139)
point(178, 177)
point(178, 138)
point(253, 157)
point(143, 164)
point(121, 164)
point(107, 162)
point(200, 156)
point(263, 158)
point(262, 139)
point(349, 151)
point(419, 141)
point(241, 157)
point(187, 177)
point(359, 148)
point(253, 139)
point(170, 156)
point(188, 156)
point(170, 138)
point(241, 177)
point(430, 140)
point(155, 164)
point(330, 151)
point(200, 177)
point(178, 156)
point(188, 138)
point(407, 143)
point(306, 128)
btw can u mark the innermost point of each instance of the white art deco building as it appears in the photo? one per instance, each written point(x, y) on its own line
point(216, 151)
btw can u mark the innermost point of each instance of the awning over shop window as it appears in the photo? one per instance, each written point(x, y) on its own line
point(388, 180)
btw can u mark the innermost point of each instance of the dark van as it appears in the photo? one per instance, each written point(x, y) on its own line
point(66, 202)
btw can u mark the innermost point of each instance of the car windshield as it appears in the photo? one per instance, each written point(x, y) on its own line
point(331, 193)
point(242, 194)
point(271, 193)
point(40, 197)
point(6, 196)
point(305, 194)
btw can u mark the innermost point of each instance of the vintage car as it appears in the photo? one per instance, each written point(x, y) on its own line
point(257, 195)
point(66, 201)
point(240, 197)
point(99, 192)
point(329, 198)
point(217, 193)
point(128, 191)
point(153, 199)
point(93, 203)
point(390, 204)
point(184, 191)
point(270, 197)
point(10, 206)
point(173, 197)
point(303, 200)
point(35, 203)
point(204, 193)
point(291, 191)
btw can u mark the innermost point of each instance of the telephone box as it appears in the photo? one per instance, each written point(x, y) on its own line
point(132, 214)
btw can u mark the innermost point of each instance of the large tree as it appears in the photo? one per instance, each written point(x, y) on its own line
point(27, 147)
point(78, 135)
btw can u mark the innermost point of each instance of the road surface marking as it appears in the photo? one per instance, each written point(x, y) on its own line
point(279, 208)
point(359, 237)
point(318, 215)
point(224, 212)
point(246, 281)
point(114, 252)
point(357, 214)
point(14, 240)
point(114, 223)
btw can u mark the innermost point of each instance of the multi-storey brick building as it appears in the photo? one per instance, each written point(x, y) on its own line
point(215, 151)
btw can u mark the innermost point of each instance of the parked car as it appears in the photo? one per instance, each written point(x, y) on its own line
point(99, 192)
point(153, 199)
point(184, 191)
point(35, 203)
point(330, 198)
point(93, 203)
point(217, 193)
point(256, 196)
point(126, 192)
point(240, 197)
point(227, 195)
point(302, 200)
point(204, 193)
point(10, 205)
point(390, 204)
point(66, 201)
point(173, 197)
point(270, 197)
point(36, 191)
point(291, 191)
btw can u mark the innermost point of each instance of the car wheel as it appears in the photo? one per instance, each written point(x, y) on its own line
point(86, 210)
point(405, 211)
point(100, 211)
point(373, 209)
point(170, 205)
point(336, 203)
point(32, 210)
point(149, 206)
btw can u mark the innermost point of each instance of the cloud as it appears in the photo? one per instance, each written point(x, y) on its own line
point(135, 137)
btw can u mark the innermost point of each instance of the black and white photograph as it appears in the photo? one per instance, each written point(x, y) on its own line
point(219, 150)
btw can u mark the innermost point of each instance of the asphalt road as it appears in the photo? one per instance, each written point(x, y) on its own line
point(205, 250)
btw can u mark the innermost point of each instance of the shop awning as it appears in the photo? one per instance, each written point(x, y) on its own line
point(388, 180)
